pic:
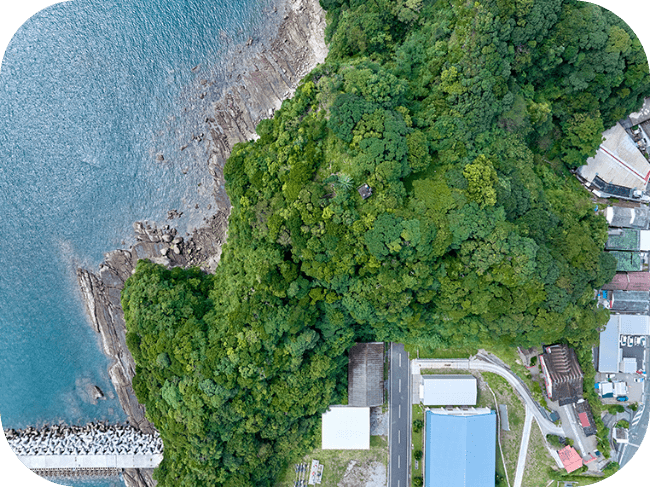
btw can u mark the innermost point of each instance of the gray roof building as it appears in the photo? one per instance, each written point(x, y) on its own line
point(618, 216)
point(630, 301)
point(449, 390)
point(366, 374)
point(610, 354)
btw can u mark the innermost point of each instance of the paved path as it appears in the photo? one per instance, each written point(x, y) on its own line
point(90, 461)
point(523, 449)
point(399, 411)
point(640, 420)
point(483, 363)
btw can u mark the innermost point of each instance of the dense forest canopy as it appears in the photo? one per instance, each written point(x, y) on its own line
point(464, 119)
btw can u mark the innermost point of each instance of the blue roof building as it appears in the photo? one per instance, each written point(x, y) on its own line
point(460, 449)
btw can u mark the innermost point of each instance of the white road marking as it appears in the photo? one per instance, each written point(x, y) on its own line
point(399, 436)
point(400, 385)
point(399, 457)
point(399, 408)
point(400, 359)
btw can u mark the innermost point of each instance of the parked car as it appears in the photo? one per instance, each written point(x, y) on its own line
point(623, 340)
point(611, 376)
point(622, 398)
point(630, 341)
point(638, 379)
point(643, 341)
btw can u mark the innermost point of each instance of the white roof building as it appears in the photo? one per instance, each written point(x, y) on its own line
point(449, 390)
point(620, 388)
point(346, 428)
point(634, 324)
point(628, 366)
point(644, 240)
point(618, 161)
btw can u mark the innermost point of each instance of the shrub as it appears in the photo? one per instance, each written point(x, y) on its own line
point(417, 454)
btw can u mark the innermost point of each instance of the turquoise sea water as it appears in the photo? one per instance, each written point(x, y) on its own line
point(90, 91)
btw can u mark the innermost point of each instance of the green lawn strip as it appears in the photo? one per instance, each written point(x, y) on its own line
point(538, 460)
point(336, 462)
point(510, 440)
point(417, 438)
point(444, 371)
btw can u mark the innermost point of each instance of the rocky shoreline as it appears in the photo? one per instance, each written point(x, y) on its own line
point(257, 86)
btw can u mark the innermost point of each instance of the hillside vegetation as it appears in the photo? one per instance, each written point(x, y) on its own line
point(464, 119)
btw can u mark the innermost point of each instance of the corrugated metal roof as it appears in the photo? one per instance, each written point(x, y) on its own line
point(630, 301)
point(449, 390)
point(629, 366)
point(618, 216)
point(346, 428)
point(608, 351)
point(634, 325)
point(644, 240)
point(460, 450)
point(366, 374)
point(630, 281)
point(584, 421)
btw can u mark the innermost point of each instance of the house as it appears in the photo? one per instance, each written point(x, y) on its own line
point(618, 216)
point(630, 302)
point(460, 448)
point(562, 374)
point(366, 374)
point(624, 239)
point(618, 169)
point(452, 390)
point(346, 428)
point(570, 458)
point(630, 281)
point(627, 261)
point(621, 436)
point(586, 417)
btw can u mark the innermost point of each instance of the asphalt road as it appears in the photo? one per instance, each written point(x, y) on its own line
point(399, 416)
point(639, 423)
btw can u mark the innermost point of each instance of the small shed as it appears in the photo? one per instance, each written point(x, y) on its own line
point(365, 191)
point(628, 366)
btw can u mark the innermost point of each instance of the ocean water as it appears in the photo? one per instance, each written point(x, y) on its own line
point(90, 92)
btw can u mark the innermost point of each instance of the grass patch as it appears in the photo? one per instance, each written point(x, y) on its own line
point(336, 462)
point(538, 460)
point(444, 371)
point(417, 437)
point(510, 440)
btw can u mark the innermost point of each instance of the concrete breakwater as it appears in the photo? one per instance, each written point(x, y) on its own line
point(92, 439)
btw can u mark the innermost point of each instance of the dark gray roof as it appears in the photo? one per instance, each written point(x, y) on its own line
point(366, 375)
point(622, 217)
point(630, 301)
point(561, 368)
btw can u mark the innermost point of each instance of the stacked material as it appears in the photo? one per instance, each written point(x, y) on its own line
point(92, 439)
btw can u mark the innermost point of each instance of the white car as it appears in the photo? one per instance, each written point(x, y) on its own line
point(630, 341)
point(643, 341)
point(638, 379)
point(623, 340)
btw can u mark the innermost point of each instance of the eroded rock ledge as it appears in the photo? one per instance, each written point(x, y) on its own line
point(259, 84)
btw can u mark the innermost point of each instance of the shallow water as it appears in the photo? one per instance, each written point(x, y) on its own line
point(90, 92)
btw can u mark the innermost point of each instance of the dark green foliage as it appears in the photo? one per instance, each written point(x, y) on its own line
point(463, 118)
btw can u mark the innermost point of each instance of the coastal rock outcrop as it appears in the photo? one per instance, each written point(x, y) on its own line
point(257, 85)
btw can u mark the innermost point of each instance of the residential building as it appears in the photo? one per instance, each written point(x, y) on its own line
point(629, 302)
point(618, 169)
point(627, 261)
point(586, 417)
point(562, 374)
point(610, 351)
point(618, 216)
point(630, 281)
point(570, 458)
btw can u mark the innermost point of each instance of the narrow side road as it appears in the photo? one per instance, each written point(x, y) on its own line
point(523, 449)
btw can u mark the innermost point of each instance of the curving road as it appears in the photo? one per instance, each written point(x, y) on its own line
point(485, 363)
